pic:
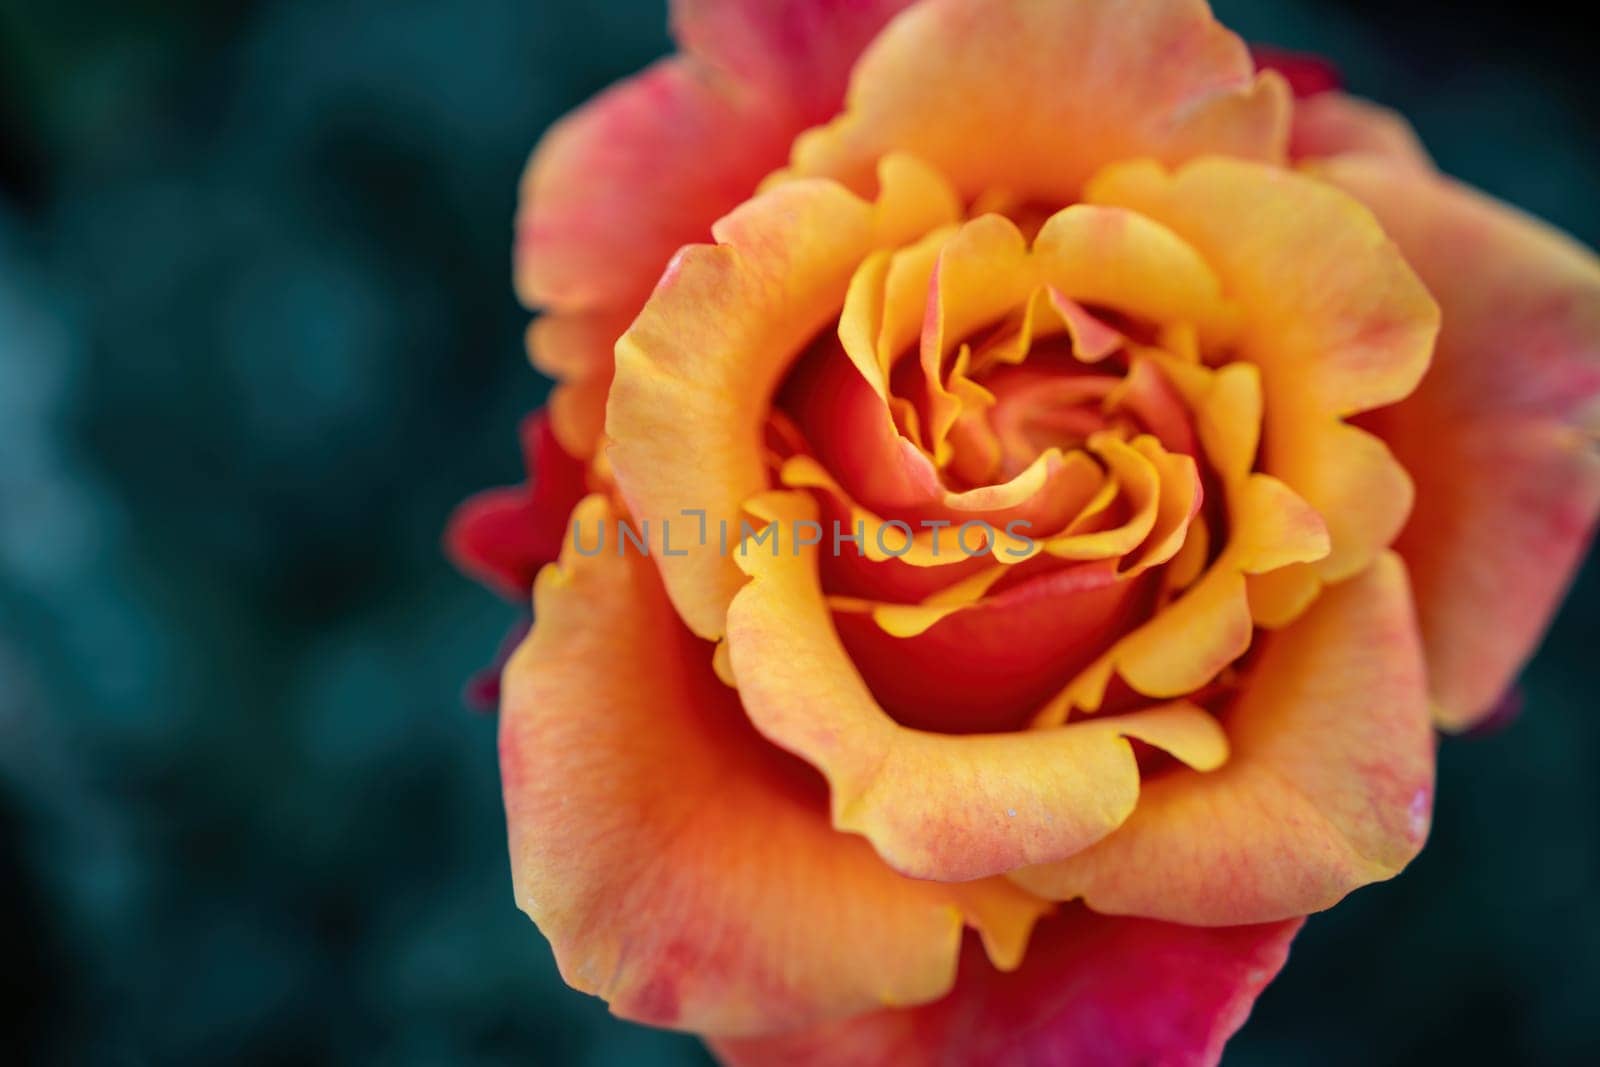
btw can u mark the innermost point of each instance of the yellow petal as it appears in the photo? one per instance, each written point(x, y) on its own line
point(1332, 315)
point(1329, 784)
point(696, 368)
point(939, 806)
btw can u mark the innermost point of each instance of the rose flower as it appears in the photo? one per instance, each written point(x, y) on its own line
point(1021, 492)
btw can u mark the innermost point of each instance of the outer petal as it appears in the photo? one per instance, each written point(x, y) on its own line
point(503, 536)
point(798, 51)
point(1096, 991)
point(575, 350)
point(615, 188)
point(1063, 87)
point(1308, 74)
point(1333, 316)
point(1328, 787)
point(936, 806)
point(1334, 124)
point(1500, 438)
point(682, 868)
point(620, 184)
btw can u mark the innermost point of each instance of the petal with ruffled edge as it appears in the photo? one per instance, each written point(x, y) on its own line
point(619, 185)
point(1328, 787)
point(575, 350)
point(1062, 86)
point(982, 663)
point(1187, 642)
point(1500, 437)
point(1095, 990)
point(697, 369)
point(682, 868)
point(616, 187)
point(1331, 313)
point(950, 808)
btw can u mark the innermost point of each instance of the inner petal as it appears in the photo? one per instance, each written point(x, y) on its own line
point(934, 806)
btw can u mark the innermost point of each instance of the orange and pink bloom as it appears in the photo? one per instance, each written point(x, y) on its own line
point(1300, 431)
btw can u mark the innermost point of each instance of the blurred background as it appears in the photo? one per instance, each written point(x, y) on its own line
point(257, 337)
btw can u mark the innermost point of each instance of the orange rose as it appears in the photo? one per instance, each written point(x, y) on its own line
point(1059, 505)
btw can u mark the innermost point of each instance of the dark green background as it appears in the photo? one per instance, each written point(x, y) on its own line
point(256, 336)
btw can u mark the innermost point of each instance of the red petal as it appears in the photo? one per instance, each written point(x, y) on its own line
point(1307, 74)
point(1093, 990)
point(502, 537)
point(990, 666)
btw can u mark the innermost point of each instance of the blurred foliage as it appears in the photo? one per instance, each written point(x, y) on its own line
point(256, 337)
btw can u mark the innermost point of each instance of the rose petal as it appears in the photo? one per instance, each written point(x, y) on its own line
point(615, 188)
point(482, 691)
point(1270, 527)
point(1333, 316)
point(1095, 991)
point(1119, 259)
point(1334, 124)
point(1328, 786)
point(849, 427)
point(1065, 86)
point(682, 868)
point(1500, 438)
point(982, 272)
point(934, 806)
point(575, 349)
point(799, 51)
point(985, 665)
point(502, 537)
point(697, 368)
point(1308, 74)
point(620, 184)
point(1055, 487)
point(1188, 642)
